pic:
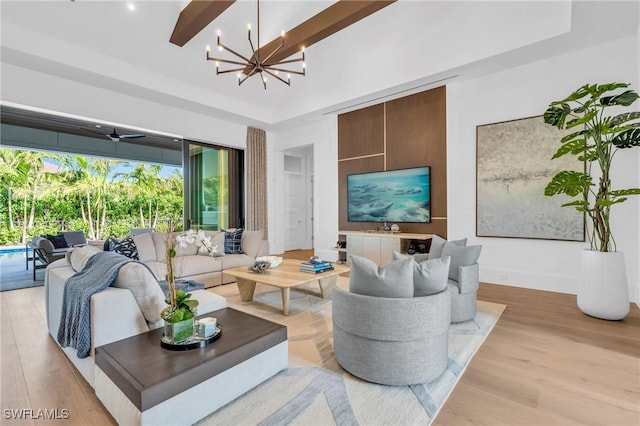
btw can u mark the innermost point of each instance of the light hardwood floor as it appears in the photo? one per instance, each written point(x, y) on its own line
point(545, 363)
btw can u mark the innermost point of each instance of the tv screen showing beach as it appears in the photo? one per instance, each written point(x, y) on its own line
point(390, 196)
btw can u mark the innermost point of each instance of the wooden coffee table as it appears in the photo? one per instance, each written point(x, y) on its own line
point(284, 277)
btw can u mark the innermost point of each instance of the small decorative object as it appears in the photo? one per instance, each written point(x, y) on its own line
point(274, 261)
point(260, 267)
point(207, 326)
point(411, 249)
point(178, 332)
point(387, 228)
point(395, 227)
point(421, 247)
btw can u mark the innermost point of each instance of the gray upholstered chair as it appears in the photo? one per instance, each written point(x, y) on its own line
point(464, 293)
point(392, 341)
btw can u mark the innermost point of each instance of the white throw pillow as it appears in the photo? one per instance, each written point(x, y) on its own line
point(395, 279)
point(146, 249)
point(146, 290)
point(429, 276)
point(78, 256)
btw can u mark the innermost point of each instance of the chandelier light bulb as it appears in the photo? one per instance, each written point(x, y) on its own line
point(219, 33)
point(282, 33)
point(249, 27)
point(208, 48)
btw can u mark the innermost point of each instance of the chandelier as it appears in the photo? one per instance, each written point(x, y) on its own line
point(257, 64)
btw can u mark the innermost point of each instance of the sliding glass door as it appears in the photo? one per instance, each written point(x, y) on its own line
point(214, 187)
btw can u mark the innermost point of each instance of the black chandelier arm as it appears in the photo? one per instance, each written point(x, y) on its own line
point(229, 70)
point(234, 52)
point(228, 61)
point(253, 50)
point(290, 61)
point(270, 68)
point(274, 51)
point(287, 82)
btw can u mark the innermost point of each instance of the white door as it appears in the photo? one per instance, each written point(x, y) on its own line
point(294, 204)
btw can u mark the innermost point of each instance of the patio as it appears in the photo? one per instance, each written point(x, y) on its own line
point(14, 275)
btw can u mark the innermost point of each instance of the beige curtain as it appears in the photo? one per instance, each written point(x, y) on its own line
point(257, 180)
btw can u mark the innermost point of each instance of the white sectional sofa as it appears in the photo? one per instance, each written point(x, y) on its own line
point(193, 266)
point(133, 304)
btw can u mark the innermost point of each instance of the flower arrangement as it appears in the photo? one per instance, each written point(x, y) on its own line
point(180, 306)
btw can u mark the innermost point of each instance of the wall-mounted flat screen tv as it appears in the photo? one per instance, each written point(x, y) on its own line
point(395, 196)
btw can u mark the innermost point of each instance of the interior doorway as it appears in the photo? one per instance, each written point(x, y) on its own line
point(298, 198)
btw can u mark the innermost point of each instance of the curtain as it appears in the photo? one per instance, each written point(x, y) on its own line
point(257, 180)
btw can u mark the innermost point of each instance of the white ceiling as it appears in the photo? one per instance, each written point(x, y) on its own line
point(406, 47)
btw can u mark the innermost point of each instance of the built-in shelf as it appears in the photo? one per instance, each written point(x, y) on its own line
point(377, 245)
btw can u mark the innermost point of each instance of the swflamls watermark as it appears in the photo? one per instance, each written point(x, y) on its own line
point(35, 414)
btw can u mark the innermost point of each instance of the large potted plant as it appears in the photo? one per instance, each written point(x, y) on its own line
point(603, 291)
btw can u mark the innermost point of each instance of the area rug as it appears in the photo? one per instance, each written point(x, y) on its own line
point(315, 390)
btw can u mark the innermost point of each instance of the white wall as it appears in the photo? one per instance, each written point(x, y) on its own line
point(323, 136)
point(34, 89)
point(524, 92)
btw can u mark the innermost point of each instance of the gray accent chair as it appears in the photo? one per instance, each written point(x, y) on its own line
point(392, 341)
point(464, 293)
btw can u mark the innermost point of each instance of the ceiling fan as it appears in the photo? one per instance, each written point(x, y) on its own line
point(115, 137)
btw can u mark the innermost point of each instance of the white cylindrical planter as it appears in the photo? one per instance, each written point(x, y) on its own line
point(603, 292)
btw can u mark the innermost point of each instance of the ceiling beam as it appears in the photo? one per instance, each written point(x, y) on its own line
point(324, 24)
point(195, 17)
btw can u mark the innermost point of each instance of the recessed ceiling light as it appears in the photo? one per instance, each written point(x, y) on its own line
point(98, 126)
point(131, 6)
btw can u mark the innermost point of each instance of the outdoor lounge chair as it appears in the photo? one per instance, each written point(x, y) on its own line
point(44, 252)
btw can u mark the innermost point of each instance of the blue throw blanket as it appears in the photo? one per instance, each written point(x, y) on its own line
point(99, 273)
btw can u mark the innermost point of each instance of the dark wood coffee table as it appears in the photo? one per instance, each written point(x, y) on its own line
point(139, 382)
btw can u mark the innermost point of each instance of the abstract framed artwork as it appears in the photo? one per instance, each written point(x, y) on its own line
point(513, 166)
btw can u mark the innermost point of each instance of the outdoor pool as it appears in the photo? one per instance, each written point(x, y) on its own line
point(13, 252)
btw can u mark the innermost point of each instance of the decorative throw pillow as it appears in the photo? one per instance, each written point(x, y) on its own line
point(58, 241)
point(429, 276)
point(395, 279)
point(127, 248)
point(460, 256)
point(233, 241)
point(437, 244)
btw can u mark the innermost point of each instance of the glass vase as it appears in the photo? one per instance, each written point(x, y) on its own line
point(178, 332)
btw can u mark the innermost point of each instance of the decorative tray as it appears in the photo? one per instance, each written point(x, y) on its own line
point(193, 342)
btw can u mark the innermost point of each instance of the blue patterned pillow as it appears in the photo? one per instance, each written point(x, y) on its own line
point(233, 241)
point(127, 248)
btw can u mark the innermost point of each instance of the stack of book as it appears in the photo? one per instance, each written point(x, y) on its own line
point(316, 267)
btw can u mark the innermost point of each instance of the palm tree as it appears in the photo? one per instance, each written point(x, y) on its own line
point(9, 161)
point(145, 185)
point(30, 178)
point(89, 179)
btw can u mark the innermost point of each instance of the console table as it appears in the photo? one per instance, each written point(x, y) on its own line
point(378, 245)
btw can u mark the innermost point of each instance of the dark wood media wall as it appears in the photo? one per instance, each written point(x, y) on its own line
point(403, 133)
